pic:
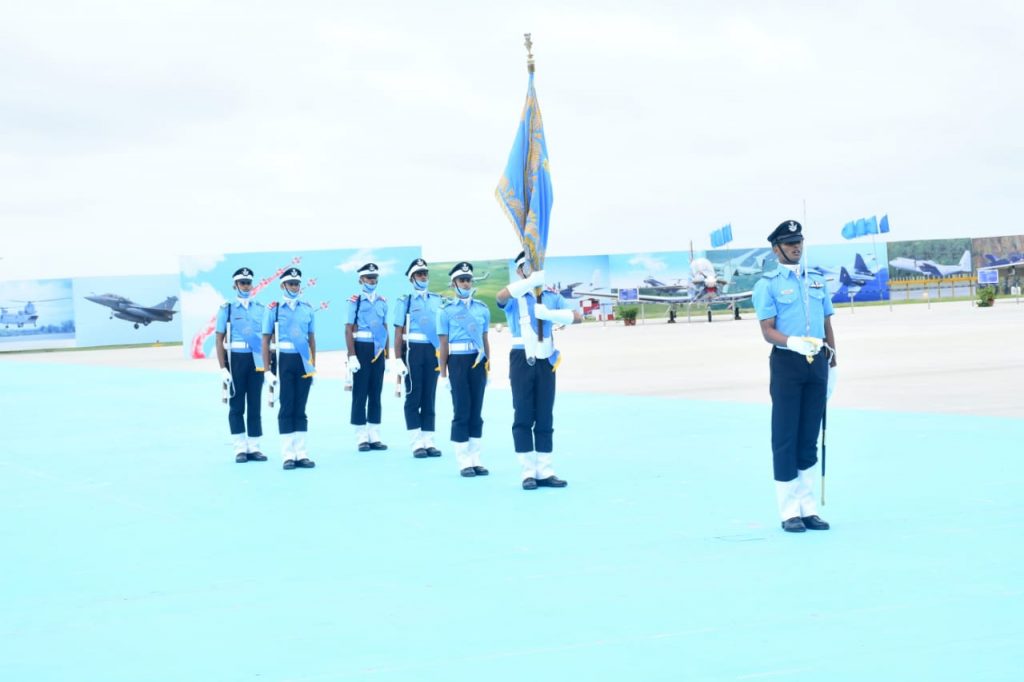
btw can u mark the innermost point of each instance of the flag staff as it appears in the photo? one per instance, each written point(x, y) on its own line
point(529, 52)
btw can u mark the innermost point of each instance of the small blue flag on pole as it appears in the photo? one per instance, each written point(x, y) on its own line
point(721, 236)
point(859, 228)
point(524, 190)
point(883, 224)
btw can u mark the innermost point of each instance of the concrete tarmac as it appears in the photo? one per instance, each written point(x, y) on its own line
point(946, 357)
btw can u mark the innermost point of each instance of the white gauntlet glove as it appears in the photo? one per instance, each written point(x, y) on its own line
point(542, 312)
point(400, 369)
point(523, 286)
point(353, 364)
point(803, 345)
point(270, 378)
point(225, 375)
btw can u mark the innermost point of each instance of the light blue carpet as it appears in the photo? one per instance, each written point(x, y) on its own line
point(134, 548)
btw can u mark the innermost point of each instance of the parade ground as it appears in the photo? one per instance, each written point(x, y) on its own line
point(134, 547)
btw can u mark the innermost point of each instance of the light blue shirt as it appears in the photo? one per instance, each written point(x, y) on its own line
point(552, 299)
point(246, 323)
point(781, 294)
point(422, 315)
point(295, 323)
point(464, 323)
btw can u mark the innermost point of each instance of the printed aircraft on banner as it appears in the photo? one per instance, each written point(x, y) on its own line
point(930, 268)
point(27, 315)
point(125, 309)
point(1012, 260)
point(697, 294)
point(749, 263)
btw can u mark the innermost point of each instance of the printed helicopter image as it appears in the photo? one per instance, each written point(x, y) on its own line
point(35, 312)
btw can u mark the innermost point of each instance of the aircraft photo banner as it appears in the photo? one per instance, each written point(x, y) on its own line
point(115, 311)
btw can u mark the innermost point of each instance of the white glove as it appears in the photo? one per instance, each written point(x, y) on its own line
point(542, 312)
point(523, 286)
point(445, 384)
point(270, 378)
point(803, 345)
point(399, 366)
point(225, 375)
point(353, 364)
point(831, 382)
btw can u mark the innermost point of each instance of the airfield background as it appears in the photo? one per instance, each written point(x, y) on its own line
point(66, 319)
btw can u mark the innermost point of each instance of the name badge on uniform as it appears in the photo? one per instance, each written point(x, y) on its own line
point(786, 292)
point(816, 285)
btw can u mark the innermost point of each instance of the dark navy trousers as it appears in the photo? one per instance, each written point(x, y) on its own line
point(533, 400)
point(367, 385)
point(798, 403)
point(420, 386)
point(291, 415)
point(244, 405)
point(468, 384)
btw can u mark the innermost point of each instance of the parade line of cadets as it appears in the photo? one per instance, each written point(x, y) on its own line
point(436, 339)
point(446, 339)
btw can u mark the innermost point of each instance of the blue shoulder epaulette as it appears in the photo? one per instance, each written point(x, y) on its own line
point(273, 304)
point(773, 273)
point(225, 304)
point(353, 298)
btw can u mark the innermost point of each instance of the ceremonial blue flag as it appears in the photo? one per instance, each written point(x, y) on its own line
point(883, 224)
point(524, 190)
point(859, 228)
point(721, 236)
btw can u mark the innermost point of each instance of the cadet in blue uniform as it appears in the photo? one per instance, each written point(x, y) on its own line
point(462, 325)
point(532, 365)
point(366, 335)
point(241, 364)
point(416, 344)
point(296, 348)
point(795, 312)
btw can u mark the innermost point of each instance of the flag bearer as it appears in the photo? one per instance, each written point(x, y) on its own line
point(416, 344)
point(366, 336)
point(295, 366)
point(241, 364)
point(795, 311)
point(462, 326)
point(532, 365)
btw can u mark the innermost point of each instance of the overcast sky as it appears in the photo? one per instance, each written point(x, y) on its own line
point(134, 131)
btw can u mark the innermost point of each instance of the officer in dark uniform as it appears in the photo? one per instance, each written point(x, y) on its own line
point(795, 311)
point(241, 364)
point(296, 365)
point(366, 336)
point(462, 325)
point(416, 350)
point(532, 365)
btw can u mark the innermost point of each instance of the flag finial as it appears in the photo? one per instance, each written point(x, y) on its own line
point(529, 52)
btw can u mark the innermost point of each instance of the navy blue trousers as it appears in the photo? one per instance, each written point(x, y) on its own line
point(798, 402)
point(533, 400)
point(291, 416)
point(246, 401)
point(468, 385)
point(367, 385)
point(420, 386)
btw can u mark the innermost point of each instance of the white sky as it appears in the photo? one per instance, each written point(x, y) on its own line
point(134, 131)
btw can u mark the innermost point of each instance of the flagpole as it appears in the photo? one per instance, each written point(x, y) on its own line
point(530, 68)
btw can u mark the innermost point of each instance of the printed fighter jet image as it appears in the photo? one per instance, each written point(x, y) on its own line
point(126, 309)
